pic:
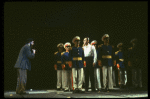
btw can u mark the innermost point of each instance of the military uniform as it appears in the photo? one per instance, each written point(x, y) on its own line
point(96, 71)
point(76, 55)
point(120, 59)
point(67, 72)
point(106, 55)
point(57, 62)
point(133, 58)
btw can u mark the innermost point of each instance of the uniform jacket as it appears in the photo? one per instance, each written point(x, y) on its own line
point(57, 60)
point(64, 59)
point(120, 58)
point(133, 56)
point(24, 57)
point(104, 51)
point(76, 52)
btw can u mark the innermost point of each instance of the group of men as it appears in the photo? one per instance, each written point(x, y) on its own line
point(78, 64)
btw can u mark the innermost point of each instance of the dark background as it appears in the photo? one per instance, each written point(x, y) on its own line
point(50, 23)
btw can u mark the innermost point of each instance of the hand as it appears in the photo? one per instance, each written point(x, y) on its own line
point(70, 65)
point(63, 66)
point(55, 66)
point(114, 62)
point(99, 63)
point(93, 64)
point(84, 63)
point(129, 63)
point(118, 66)
point(34, 51)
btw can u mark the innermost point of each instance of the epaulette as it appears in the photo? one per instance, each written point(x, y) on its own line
point(55, 53)
point(130, 48)
point(116, 52)
point(70, 48)
point(100, 45)
point(112, 46)
point(62, 53)
point(82, 48)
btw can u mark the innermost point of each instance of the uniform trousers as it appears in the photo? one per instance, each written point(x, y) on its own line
point(137, 77)
point(97, 78)
point(59, 78)
point(122, 77)
point(67, 79)
point(114, 78)
point(21, 80)
point(77, 78)
point(110, 82)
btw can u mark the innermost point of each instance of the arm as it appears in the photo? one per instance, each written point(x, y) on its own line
point(29, 54)
point(95, 55)
point(99, 56)
point(113, 56)
point(62, 60)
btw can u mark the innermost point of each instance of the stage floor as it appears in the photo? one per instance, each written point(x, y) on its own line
point(53, 93)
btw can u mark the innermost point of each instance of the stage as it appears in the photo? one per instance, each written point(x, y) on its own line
point(53, 93)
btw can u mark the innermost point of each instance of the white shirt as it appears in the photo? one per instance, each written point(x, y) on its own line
point(90, 51)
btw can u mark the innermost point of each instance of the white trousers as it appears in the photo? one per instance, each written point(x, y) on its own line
point(137, 77)
point(59, 78)
point(67, 79)
point(114, 78)
point(77, 78)
point(97, 78)
point(110, 82)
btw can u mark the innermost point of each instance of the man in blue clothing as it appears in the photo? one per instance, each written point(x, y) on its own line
point(76, 54)
point(96, 70)
point(57, 65)
point(67, 70)
point(120, 60)
point(134, 65)
point(106, 58)
point(23, 64)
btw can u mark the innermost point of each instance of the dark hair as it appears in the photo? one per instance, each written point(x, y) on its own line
point(29, 40)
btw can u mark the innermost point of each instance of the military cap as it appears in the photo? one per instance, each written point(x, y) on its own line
point(133, 40)
point(75, 38)
point(67, 44)
point(60, 45)
point(93, 42)
point(104, 36)
point(120, 44)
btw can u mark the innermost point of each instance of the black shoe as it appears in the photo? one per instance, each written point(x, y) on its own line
point(58, 89)
point(23, 93)
point(66, 90)
point(105, 90)
point(75, 91)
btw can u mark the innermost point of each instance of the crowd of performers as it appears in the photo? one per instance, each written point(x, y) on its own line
point(98, 65)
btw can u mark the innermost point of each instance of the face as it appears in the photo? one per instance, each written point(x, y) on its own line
point(94, 45)
point(32, 43)
point(120, 47)
point(67, 48)
point(60, 49)
point(77, 42)
point(106, 40)
point(85, 41)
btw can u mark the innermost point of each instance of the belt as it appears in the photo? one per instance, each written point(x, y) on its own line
point(59, 62)
point(77, 58)
point(106, 56)
point(121, 60)
point(67, 62)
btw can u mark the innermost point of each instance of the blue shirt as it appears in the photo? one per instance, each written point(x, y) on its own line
point(57, 60)
point(76, 52)
point(120, 58)
point(104, 51)
point(64, 59)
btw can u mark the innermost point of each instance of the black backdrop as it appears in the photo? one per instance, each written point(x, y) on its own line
point(50, 23)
